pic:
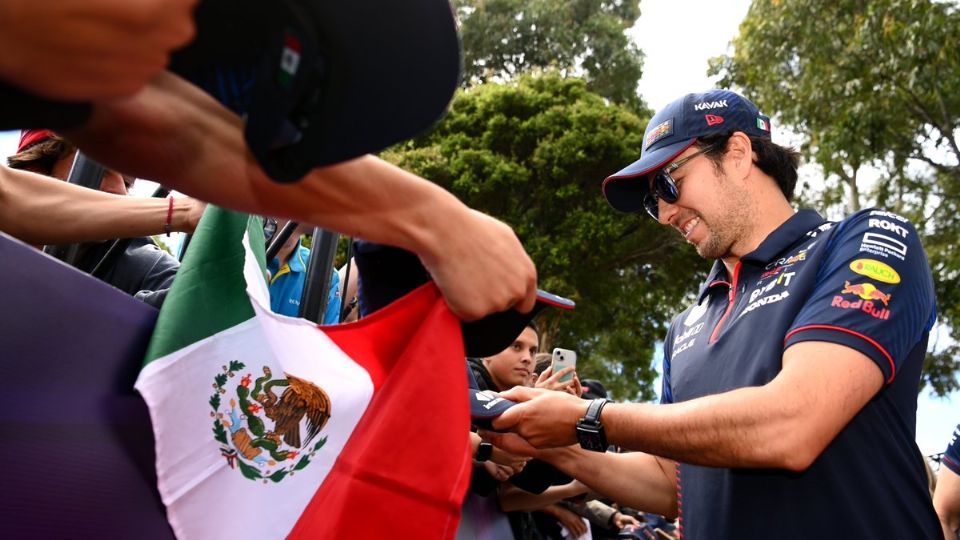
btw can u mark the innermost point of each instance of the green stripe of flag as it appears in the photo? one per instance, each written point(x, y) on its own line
point(209, 293)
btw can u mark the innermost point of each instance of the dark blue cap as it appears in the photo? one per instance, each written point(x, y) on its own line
point(674, 129)
point(485, 406)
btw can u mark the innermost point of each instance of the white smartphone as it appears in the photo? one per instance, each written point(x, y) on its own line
point(563, 358)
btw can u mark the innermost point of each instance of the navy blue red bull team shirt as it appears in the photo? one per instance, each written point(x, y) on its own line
point(864, 283)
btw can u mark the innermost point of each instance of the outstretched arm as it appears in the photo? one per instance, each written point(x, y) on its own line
point(29, 203)
point(785, 424)
point(635, 479)
point(176, 134)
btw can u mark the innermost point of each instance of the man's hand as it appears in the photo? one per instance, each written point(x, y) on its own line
point(501, 473)
point(510, 442)
point(621, 520)
point(479, 265)
point(544, 418)
point(186, 214)
point(81, 50)
point(514, 462)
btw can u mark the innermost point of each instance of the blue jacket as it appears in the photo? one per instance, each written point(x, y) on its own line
point(286, 286)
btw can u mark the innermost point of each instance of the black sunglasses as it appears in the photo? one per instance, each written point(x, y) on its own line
point(665, 187)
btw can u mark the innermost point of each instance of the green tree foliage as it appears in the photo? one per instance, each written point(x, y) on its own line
point(870, 84)
point(505, 38)
point(533, 152)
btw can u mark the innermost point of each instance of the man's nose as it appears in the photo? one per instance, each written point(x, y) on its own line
point(665, 212)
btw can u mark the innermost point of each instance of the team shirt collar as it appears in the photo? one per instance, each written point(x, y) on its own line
point(772, 246)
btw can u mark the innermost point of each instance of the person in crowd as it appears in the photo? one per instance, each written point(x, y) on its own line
point(350, 301)
point(946, 498)
point(288, 273)
point(511, 367)
point(800, 354)
point(143, 269)
point(153, 124)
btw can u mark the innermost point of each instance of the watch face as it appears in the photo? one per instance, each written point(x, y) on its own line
point(592, 439)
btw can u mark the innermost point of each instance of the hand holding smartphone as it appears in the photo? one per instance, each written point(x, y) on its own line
point(563, 358)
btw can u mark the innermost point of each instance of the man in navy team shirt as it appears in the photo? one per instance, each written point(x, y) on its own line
point(789, 385)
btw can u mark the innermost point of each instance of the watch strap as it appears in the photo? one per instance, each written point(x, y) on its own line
point(484, 451)
point(593, 411)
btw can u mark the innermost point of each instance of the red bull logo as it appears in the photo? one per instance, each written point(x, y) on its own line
point(869, 303)
point(867, 291)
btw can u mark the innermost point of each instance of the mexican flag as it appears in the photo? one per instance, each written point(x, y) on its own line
point(268, 426)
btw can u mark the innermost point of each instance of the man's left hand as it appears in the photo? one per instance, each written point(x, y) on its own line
point(546, 419)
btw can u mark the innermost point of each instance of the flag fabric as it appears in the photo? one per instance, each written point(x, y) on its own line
point(268, 426)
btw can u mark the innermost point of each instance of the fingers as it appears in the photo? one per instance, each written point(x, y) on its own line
point(529, 300)
point(547, 373)
point(510, 442)
point(520, 394)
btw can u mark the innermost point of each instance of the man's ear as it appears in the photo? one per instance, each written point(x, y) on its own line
point(739, 155)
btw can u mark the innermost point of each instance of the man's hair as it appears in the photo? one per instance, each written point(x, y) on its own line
point(41, 157)
point(776, 161)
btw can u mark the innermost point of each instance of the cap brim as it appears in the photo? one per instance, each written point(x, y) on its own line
point(387, 273)
point(626, 189)
point(495, 332)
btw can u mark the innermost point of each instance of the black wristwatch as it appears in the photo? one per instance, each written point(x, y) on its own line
point(589, 429)
point(484, 451)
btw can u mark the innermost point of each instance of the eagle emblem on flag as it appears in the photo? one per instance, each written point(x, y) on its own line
point(265, 435)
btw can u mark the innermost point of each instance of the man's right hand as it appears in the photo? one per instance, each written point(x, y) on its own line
point(480, 266)
point(83, 50)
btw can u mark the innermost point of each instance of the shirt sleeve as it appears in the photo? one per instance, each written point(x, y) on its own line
point(951, 458)
point(873, 291)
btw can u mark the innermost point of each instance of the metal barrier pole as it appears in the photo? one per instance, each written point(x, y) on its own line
point(313, 302)
point(86, 173)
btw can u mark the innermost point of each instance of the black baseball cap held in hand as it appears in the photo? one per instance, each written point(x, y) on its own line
point(677, 127)
point(387, 273)
point(319, 82)
point(485, 406)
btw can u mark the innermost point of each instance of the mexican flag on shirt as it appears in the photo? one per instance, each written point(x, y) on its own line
point(267, 426)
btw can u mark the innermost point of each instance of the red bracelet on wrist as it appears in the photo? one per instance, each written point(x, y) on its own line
point(167, 225)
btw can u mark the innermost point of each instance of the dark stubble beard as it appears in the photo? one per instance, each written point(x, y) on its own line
point(730, 225)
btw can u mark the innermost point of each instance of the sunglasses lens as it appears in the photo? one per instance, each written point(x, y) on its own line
point(665, 187)
point(652, 206)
